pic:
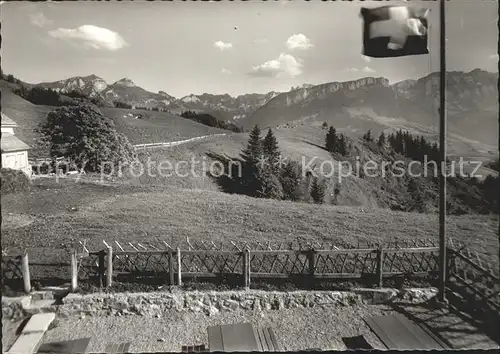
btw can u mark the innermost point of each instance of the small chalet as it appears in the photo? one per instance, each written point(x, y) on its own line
point(14, 151)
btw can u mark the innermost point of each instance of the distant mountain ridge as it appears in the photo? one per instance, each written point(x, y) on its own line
point(126, 91)
point(472, 101)
point(373, 103)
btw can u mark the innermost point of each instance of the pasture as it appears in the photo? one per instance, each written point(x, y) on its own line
point(51, 218)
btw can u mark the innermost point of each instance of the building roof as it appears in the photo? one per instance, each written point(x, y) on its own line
point(7, 122)
point(10, 143)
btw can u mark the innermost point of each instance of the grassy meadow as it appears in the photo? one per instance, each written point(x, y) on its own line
point(52, 217)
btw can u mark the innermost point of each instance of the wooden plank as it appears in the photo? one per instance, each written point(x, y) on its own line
point(239, 337)
point(383, 328)
point(426, 342)
point(258, 336)
point(215, 343)
point(412, 250)
point(397, 332)
point(123, 348)
point(273, 339)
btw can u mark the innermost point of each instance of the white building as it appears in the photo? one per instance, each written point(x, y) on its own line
point(14, 151)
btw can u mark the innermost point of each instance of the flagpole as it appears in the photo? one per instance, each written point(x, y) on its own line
point(442, 144)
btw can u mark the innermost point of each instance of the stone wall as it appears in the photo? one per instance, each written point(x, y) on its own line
point(155, 304)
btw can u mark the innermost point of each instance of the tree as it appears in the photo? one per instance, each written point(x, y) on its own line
point(291, 178)
point(86, 137)
point(10, 78)
point(253, 163)
point(268, 184)
point(381, 140)
point(318, 191)
point(324, 126)
point(368, 136)
point(331, 140)
point(270, 149)
point(342, 145)
point(253, 153)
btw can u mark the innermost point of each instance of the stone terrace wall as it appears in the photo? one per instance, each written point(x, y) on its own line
point(155, 304)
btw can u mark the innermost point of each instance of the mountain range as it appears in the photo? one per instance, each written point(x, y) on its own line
point(368, 103)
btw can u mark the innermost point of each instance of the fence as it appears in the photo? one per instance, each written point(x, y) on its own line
point(173, 143)
point(16, 272)
point(479, 286)
point(173, 265)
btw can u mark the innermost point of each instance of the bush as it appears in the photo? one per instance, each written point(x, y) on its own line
point(14, 181)
point(86, 137)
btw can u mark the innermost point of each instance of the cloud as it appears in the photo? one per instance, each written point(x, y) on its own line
point(366, 59)
point(91, 36)
point(38, 19)
point(222, 46)
point(299, 41)
point(260, 41)
point(225, 71)
point(366, 69)
point(285, 64)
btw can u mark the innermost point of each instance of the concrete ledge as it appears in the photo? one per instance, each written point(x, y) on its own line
point(39, 322)
point(155, 304)
point(26, 343)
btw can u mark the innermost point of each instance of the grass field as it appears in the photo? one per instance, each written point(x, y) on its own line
point(155, 127)
point(42, 221)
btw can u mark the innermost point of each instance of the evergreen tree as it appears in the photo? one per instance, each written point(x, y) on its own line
point(318, 191)
point(381, 140)
point(253, 153)
point(331, 140)
point(253, 164)
point(324, 126)
point(270, 150)
point(368, 136)
point(291, 178)
point(268, 184)
point(342, 145)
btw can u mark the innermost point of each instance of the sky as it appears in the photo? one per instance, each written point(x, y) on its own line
point(236, 47)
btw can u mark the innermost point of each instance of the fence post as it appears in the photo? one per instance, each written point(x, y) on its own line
point(74, 271)
point(109, 270)
point(171, 267)
point(25, 270)
point(380, 266)
point(179, 271)
point(451, 263)
point(246, 269)
point(102, 268)
point(312, 265)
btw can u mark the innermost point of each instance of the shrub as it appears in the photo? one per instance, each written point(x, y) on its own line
point(14, 181)
point(86, 137)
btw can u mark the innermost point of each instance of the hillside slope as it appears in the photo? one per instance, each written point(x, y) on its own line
point(306, 147)
point(171, 215)
point(138, 125)
point(372, 103)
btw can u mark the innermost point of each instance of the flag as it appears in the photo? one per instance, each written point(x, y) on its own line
point(394, 31)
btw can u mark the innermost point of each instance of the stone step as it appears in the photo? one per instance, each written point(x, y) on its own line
point(39, 306)
point(42, 295)
point(26, 343)
point(58, 290)
point(39, 322)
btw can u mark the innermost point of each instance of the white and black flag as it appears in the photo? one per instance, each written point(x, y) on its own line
point(394, 31)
